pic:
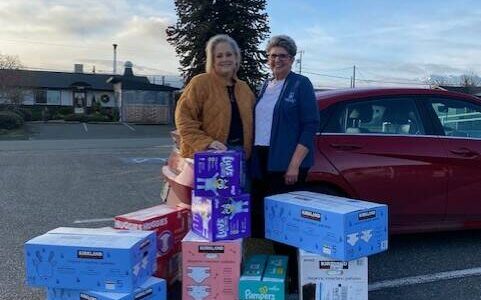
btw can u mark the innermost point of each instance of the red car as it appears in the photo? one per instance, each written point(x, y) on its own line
point(417, 150)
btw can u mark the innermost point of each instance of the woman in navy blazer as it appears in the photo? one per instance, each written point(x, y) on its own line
point(286, 121)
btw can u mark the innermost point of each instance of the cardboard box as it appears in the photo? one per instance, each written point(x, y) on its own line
point(221, 218)
point(90, 259)
point(340, 228)
point(321, 278)
point(171, 224)
point(153, 288)
point(210, 270)
point(218, 173)
point(263, 277)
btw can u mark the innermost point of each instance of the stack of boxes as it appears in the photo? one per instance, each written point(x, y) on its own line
point(212, 251)
point(203, 245)
point(82, 263)
point(171, 224)
point(334, 236)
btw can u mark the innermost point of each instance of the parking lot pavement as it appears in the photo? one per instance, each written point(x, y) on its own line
point(72, 181)
point(66, 131)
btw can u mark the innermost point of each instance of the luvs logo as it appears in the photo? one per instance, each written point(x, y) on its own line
point(226, 166)
point(222, 227)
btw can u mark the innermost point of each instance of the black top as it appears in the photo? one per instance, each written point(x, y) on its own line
point(236, 134)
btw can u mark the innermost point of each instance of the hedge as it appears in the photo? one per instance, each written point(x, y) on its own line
point(10, 120)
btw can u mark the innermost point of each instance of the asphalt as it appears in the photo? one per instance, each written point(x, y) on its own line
point(56, 178)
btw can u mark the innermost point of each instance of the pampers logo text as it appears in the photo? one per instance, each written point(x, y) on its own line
point(226, 167)
point(249, 295)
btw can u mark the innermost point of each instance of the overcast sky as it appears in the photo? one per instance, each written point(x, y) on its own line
point(392, 41)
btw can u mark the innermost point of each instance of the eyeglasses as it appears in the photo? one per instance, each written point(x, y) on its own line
point(282, 56)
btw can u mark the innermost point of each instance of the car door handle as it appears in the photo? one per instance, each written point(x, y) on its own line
point(465, 152)
point(345, 146)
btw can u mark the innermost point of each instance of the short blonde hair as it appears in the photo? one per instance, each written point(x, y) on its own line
point(212, 43)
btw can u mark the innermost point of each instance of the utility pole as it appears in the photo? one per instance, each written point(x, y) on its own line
point(299, 61)
point(354, 77)
point(115, 59)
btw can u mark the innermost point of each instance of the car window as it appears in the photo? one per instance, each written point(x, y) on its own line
point(458, 118)
point(381, 116)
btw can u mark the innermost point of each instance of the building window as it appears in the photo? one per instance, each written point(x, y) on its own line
point(53, 97)
point(40, 96)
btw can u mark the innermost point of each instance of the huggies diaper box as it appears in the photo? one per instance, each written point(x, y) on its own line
point(210, 270)
point(171, 223)
point(90, 259)
point(221, 218)
point(152, 289)
point(340, 228)
point(322, 278)
point(218, 173)
point(263, 277)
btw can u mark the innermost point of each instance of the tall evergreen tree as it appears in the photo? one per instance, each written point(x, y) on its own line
point(198, 20)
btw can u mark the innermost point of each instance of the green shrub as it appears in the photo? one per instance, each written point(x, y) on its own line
point(10, 120)
point(96, 117)
point(65, 110)
point(27, 113)
point(74, 117)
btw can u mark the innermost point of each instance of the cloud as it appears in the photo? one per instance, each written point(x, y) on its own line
point(57, 34)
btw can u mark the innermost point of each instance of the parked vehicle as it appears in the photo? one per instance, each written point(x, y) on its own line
point(417, 150)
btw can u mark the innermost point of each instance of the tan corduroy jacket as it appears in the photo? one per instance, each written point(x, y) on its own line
point(203, 113)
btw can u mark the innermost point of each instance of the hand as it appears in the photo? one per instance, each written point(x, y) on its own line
point(217, 146)
point(291, 175)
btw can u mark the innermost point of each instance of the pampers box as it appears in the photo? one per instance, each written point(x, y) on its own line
point(171, 223)
point(221, 218)
point(210, 270)
point(152, 289)
point(340, 228)
point(90, 259)
point(263, 277)
point(218, 173)
point(322, 278)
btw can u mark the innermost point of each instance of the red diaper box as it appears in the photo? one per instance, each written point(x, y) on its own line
point(171, 224)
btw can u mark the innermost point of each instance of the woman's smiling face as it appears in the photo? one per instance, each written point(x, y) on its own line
point(224, 60)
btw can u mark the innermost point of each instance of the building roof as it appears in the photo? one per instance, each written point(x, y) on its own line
point(65, 80)
point(131, 83)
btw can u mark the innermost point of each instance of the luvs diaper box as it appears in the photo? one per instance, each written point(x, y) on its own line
point(171, 224)
point(210, 270)
point(340, 228)
point(221, 218)
point(263, 277)
point(152, 289)
point(219, 173)
point(90, 259)
point(322, 278)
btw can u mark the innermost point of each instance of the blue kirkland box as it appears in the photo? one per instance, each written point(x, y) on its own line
point(90, 259)
point(340, 228)
point(153, 288)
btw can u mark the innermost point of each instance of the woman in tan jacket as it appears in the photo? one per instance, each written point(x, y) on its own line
point(215, 110)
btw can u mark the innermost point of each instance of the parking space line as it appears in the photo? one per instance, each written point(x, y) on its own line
point(424, 279)
point(92, 221)
point(130, 127)
point(85, 127)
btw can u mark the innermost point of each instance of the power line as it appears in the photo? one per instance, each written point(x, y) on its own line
point(326, 75)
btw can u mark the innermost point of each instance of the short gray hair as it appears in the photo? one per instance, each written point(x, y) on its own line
point(283, 41)
point(212, 43)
